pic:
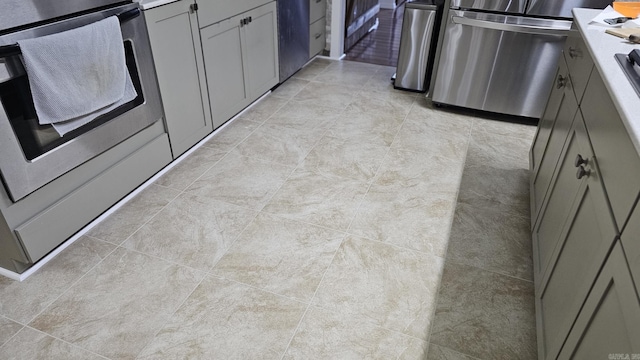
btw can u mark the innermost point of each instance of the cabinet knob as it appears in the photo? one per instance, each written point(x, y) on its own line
point(582, 172)
point(561, 82)
point(574, 53)
point(580, 161)
point(193, 7)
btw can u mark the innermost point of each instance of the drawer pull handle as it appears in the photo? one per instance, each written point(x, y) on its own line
point(582, 172)
point(561, 82)
point(575, 53)
point(580, 161)
point(317, 36)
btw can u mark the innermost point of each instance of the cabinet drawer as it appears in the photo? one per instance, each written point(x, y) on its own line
point(317, 10)
point(212, 11)
point(579, 62)
point(317, 36)
point(616, 154)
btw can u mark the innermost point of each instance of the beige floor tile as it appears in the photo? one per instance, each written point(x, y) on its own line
point(374, 129)
point(305, 116)
point(485, 315)
point(498, 151)
point(311, 70)
point(281, 256)
point(231, 134)
point(262, 110)
point(22, 301)
point(419, 136)
point(227, 320)
point(413, 173)
point(417, 222)
point(242, 181)
point(280, 144)
point(327, 335)
point(330, 95)
point(495, 240)
point(345, 159)
point(118, 306)
point(30, 344)
point(441, 353)
point(389, 104)
point(525, 132)
point(8, 328)
point(318, 199)
point(290, 88)
point(391, 287)
point(337, 73)
point(131, 216)
point(193, 231)
point(423, 113)
point(187, 171)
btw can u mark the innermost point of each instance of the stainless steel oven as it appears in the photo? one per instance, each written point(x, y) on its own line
point(53, 185)
point(33, 154)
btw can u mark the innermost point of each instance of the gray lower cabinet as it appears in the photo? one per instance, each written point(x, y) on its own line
point(570, 241)
point(241, 60)
point(584, 172)
point(608, 322)
point(175, 42)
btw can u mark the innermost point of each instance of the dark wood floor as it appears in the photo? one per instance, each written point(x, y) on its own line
point(380, 46)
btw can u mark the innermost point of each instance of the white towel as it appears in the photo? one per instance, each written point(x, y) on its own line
point(77, 75)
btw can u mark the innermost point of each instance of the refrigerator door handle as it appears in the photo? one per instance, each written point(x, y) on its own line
point(523, 29)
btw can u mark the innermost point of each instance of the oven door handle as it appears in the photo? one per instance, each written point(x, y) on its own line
point(514, 28)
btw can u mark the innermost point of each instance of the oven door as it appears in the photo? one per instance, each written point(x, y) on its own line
point(32, 155)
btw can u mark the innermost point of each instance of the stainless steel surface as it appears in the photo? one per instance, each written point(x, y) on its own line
point(293, 36)
point(415, 56)
point(525, 26)
point(501, 71)
point(22, 176)
point(562, 8)
point(15, 13)
point(510, 6)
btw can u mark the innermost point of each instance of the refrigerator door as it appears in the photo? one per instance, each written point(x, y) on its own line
point(562, 8)
point(293, 36)
point(498, 63)
point(505, 6)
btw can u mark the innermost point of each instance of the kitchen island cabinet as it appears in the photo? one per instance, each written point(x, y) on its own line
point(241, 60)
point(175, 43)
point(584, 186)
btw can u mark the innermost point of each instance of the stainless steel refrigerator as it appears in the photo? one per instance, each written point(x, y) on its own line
point(293, 36)
point(501, 56)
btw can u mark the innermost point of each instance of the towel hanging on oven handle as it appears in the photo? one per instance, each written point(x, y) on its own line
point(13, 50)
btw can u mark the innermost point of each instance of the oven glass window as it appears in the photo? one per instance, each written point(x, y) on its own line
point(36, 139)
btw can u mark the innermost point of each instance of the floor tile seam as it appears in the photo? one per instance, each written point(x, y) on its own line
point(510, 134)
point(303, 222)
point(396, 246)
point(295, 332)
point(457, 352)
point(162, 259)
point(182, 191)
point(22, 326)
point(495, 272)
point(170, 316)
point(61, 340)
point(254, 287)
point(71, 286)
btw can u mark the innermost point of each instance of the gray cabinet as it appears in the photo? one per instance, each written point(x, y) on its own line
point(175, 42)
point(583, 188)
point(571, 241)
point(317, 26)
point(608, 323)
point(241, 60)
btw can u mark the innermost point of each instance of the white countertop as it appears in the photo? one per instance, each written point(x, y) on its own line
point(602, 48)
point(150, 4)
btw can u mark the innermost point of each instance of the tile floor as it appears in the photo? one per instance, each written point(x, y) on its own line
point(327, 222)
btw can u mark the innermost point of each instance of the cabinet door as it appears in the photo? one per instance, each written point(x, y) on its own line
point(552, 132)
point(261, 37)
point(224, 57)
point(631, 244)
point(608, 322)
point(175, 42)
point(570, 247)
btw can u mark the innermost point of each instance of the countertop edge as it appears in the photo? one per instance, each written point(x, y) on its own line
point(622, 93)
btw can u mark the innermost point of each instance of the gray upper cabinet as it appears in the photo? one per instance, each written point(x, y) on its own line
point(175, 42)
point(608, 322)
point(241, 60)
